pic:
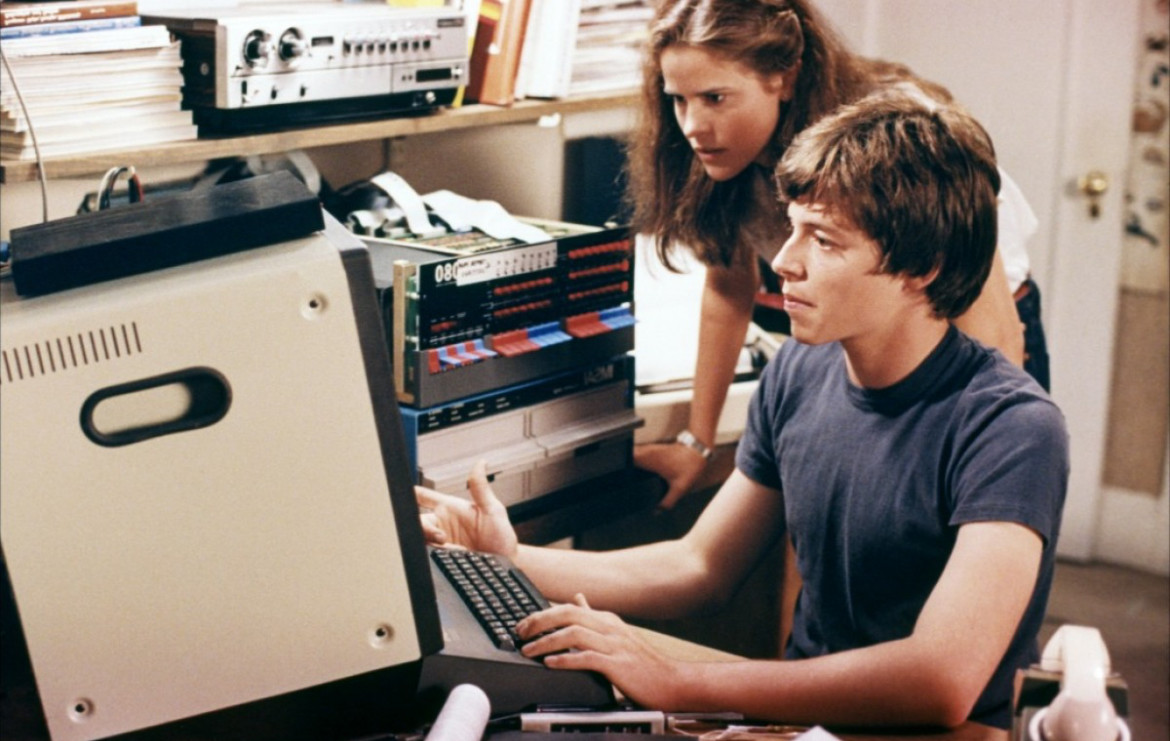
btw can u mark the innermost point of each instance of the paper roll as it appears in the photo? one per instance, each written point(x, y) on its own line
point(464, 715)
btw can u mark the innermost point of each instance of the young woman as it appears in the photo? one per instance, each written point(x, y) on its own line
point(728, 84)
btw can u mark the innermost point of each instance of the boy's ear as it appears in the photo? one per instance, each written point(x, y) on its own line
point(918, 283)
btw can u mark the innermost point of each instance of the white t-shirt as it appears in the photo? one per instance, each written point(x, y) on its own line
point(1017, 224)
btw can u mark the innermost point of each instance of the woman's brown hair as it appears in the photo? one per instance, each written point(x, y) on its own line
point(670, 195)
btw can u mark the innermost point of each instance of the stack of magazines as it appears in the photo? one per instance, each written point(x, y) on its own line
point(611, 36)
point(92, 78)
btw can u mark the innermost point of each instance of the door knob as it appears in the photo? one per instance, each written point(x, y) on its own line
point(1094, 184)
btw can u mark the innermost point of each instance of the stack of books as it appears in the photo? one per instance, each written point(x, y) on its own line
point(92, 78)
point(546, 60)
point(555, 48)
point(611, 37)
point(495, 51)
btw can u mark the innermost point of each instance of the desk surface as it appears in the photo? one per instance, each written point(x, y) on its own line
point(21, 708)
point(693, 652)
point(568, 512)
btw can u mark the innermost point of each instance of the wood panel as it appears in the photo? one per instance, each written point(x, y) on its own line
point(1136, 442)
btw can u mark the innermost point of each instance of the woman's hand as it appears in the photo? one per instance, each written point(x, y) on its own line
point(677, 464)
point(602, 642)
point(480, 524)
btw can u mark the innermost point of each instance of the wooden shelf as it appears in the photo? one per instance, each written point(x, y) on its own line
point(13, 171)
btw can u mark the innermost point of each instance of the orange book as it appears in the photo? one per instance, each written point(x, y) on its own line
point(495, 57)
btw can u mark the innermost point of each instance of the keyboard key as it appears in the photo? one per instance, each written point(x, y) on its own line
point(492, 591)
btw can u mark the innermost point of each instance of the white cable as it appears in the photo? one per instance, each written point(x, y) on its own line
point(33, 135)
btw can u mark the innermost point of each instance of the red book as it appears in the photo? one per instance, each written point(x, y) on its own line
point(59, 11)
point(495, 57)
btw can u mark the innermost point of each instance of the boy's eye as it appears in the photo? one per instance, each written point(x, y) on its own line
point(714, 97)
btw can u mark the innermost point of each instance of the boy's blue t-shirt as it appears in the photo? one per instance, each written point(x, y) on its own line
point(877, 482)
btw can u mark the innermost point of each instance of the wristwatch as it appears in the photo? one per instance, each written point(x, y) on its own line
point(687, 438)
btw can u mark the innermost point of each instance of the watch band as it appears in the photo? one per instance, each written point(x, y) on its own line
point(687, 438)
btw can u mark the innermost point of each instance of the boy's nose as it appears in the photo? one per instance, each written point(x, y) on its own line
point(784, 263)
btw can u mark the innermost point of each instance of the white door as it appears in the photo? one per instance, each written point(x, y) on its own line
point(1052, 80)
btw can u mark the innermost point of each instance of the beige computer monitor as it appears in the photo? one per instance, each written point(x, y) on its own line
point(205, 503)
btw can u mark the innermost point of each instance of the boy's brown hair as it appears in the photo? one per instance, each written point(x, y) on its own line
point(918, 178)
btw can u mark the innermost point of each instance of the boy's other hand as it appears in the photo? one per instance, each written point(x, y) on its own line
point(678, 465)
point(478, 524)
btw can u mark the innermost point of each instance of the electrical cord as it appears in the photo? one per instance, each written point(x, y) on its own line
point(110, 179)
point(32, 135)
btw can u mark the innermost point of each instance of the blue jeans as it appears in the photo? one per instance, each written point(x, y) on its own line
point(1035, 346)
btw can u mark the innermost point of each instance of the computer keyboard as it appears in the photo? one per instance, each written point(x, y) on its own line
point(496, 594)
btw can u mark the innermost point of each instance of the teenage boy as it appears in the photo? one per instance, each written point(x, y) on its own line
point(920, 475)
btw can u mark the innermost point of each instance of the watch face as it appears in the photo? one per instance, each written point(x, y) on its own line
point(688, 439)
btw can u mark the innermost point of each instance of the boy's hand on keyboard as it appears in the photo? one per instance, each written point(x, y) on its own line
point(480, 524)
point(575, 636)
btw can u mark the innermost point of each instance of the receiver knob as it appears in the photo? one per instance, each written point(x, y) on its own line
point(257, 48)
point(292, 45)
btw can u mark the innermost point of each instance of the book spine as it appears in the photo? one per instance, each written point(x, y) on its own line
point(29, 14)
point(494, 68)
point(490, 12)
point(50, 29)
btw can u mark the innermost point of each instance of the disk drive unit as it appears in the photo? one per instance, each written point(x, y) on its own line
point(251, 68)
point(536, 438)
point(467, 314)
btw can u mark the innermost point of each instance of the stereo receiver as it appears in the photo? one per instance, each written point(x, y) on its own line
point(247, 69)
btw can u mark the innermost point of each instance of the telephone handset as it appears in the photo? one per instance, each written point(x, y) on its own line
point(1081, 711)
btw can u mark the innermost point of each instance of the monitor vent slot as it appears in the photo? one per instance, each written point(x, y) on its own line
point(64, 353)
